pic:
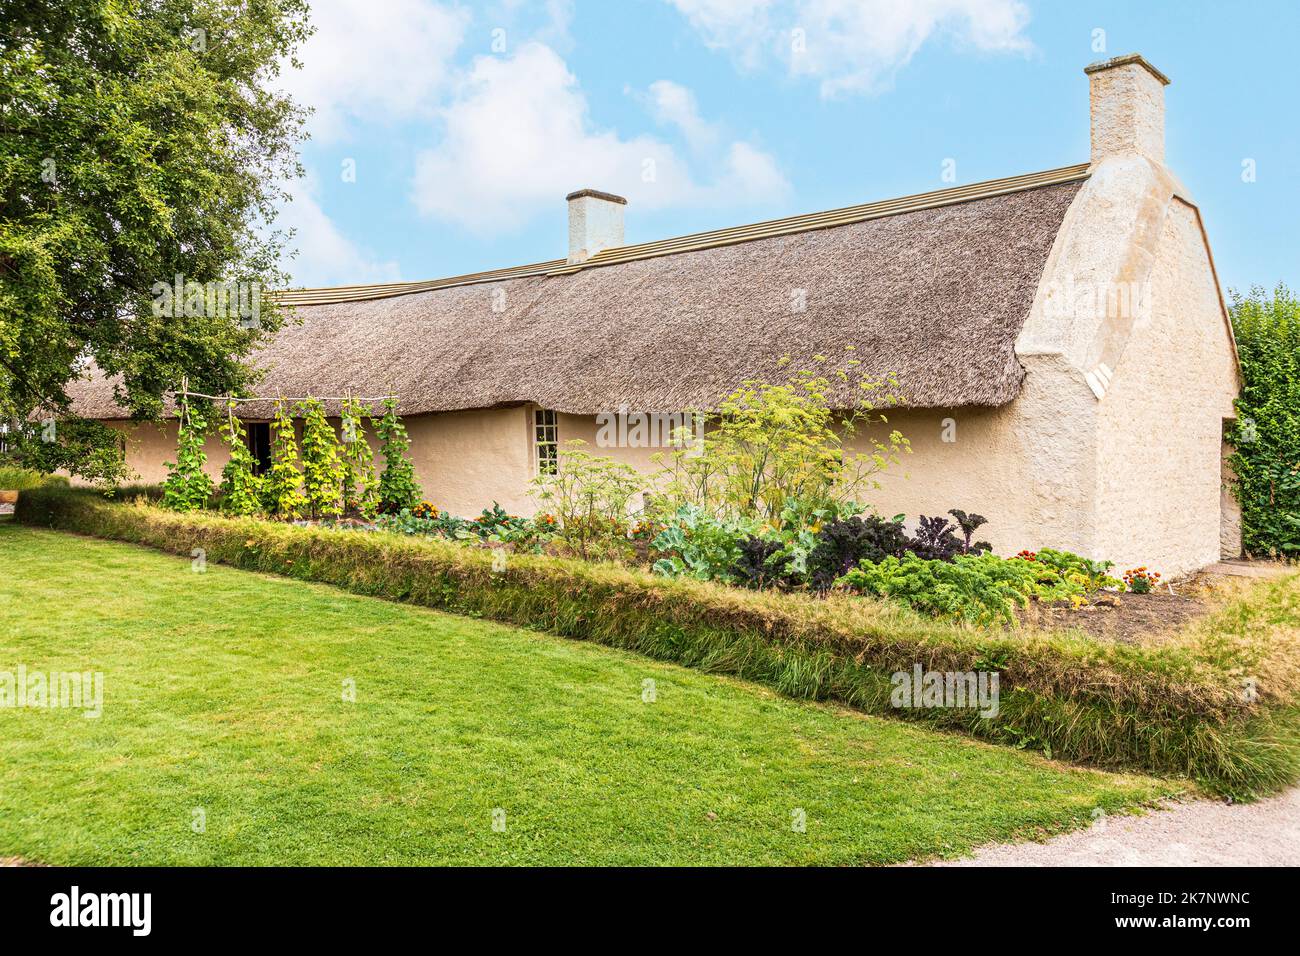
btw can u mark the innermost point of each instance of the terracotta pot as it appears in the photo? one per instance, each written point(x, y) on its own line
point(8, 497)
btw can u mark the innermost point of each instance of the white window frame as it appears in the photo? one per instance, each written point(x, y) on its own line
point(546, 441)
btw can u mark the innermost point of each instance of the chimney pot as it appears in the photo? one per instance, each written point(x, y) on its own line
point(595, 223)
point(1128, 108)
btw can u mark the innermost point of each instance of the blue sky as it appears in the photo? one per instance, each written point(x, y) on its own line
point(446, 134)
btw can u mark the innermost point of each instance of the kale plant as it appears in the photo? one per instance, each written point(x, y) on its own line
point(844, 543)
point(934, 540)
point(762, 563)
point(969, 524)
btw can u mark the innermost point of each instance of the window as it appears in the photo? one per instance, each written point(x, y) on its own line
point(259, 445)
point(546, 437)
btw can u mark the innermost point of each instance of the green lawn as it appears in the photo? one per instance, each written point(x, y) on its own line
point(224, 692)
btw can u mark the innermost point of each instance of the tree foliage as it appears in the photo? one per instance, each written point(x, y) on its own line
point(92, 450)
point(140, 140)
point(1266, 435)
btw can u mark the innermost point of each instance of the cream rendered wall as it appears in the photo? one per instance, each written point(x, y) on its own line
point(466, 460)
point(1160, 423)
point(586, 429)
point(1027, 466)
point(150, 444)
point(1127, 399)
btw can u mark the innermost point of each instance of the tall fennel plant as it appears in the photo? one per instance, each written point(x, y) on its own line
point(784, 453)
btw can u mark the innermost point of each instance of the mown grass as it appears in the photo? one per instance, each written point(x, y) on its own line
point(223, 693)
point(1181, 708)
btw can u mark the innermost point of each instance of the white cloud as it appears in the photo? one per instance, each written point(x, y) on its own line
point(675, 105)
point(740, 26)
point(377, 59)
point(754, 173)
point(325, 256)
point(518, 137)
point(851, 46)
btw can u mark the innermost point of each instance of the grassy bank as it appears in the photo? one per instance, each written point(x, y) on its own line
point(1180, 708)
point(223, 694)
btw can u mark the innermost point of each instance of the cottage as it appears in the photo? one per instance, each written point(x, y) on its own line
point(1059, 339)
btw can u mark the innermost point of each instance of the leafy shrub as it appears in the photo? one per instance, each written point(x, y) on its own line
point(843, 543)
point(1091, 575)
point(322, 463)
point(14, 478)
point(762, 563)
point(1266, 434)
point(359, 486)
point(280, 495)
point(82, 447)
point(969, 524)
point(697, 544)
point(934, 540)
point(407, 521)
point(240, 488)
point(494, 525)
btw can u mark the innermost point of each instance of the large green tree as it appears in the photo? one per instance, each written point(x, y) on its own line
point(140, 140)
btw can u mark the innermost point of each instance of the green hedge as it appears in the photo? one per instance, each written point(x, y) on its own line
point(1266, 436)
point(1113, 705)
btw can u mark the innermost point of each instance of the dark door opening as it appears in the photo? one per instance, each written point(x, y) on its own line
point(259, 445)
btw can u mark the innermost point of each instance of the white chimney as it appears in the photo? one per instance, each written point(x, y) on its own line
point(595, 223)
point(1128, 108)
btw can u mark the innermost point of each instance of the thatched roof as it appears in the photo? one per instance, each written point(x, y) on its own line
point(933, 289)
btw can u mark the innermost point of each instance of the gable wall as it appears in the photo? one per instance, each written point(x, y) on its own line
point(1160, 424)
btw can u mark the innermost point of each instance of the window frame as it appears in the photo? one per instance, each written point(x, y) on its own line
point(546, 441)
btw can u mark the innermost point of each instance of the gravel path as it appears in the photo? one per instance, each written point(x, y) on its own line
point(1200, 833)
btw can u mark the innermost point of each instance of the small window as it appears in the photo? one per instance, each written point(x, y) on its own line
point(546, 437)
point(259, 445)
